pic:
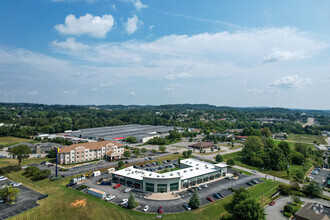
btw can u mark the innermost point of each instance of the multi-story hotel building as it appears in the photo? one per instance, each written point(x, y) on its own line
point(77, 153)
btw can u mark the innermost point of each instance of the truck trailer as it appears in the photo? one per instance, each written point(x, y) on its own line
point(97, 193)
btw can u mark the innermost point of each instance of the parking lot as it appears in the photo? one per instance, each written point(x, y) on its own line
point(320, 177)
point(172, 206)
point(26, 200)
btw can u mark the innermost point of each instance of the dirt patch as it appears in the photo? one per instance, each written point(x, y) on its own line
point(79, 203)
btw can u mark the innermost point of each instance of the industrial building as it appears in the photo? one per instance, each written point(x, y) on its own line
point(193, 172)
point(142, 133)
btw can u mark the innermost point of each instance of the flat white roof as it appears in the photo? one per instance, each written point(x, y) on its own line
point(196, 168)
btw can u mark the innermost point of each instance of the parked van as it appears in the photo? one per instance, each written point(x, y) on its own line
point(97, 173)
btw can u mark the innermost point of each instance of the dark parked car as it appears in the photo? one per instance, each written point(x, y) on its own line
point(135, 166)
point(126, 162)
point(43, 162)
point(43, 196)
point(70, 184)
point(216, 195)
point(141, 165)
point(220, 194)
point(249, 183)
point(157, 163)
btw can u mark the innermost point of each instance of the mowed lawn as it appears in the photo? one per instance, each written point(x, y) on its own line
point(58, 204)
point(307, 138)
point(13, 140)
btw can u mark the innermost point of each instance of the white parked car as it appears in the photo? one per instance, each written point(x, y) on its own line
point(13, 184)
point(25, 167)
point(254, 171)
point(146, 208)
point(125, 200)
point(2, 178)
point(204, 186)
point(110, 197)
point(127, 190)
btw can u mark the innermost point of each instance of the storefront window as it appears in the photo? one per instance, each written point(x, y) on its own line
point(162, 188)
point(150, 187)
point(174, 187)
point(224, 174)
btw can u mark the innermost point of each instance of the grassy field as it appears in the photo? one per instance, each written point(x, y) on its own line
point(238, 157)
point(8, 141)
point(306, 138)
point(58, 204)
point(242, 171)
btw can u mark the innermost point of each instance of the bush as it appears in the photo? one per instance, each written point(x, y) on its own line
point(30, 170)
point(298, 193)
point(81, 187)
point(287, 214)
point(64, 169)
point(284, 189)
point(288, 208)
point(54, 178)
point(40, 174)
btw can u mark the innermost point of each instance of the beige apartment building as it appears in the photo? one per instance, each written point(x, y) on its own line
point(77, 153)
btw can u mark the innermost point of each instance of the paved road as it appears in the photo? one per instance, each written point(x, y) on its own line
point(274, 212)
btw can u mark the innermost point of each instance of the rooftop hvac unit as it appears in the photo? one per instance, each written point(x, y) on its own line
point(158, 176)
point(163, 176)
point(171, 174)
point(178, 173)
point(185, 171)
point(150, 174)
point(197, 168)
point(191, 169)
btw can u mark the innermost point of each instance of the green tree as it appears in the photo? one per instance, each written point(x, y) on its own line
point(240, 194)
point(162, 148)
point(120, 164)
point(248, 209)
point(179, 160)
point(284, 189)
point(294, 185)
point(20, 153)
point(136, 151)
point(191, 139)
point(296, 199)
point(285, 147)
point(265, 132)
point(218, 158)
point(143, 150)
point(9, 194)
point(127, 153)
point(288, 208)
point(153, 151)
point(231, 162)
point(131, 201)
point(131, 140)
point(30, 170)
point(40, 174)
point(212, 149)
point(195, 201)
point(51, 153)
point(313, 189)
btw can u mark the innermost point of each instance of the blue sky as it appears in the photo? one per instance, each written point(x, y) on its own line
point(228, 52)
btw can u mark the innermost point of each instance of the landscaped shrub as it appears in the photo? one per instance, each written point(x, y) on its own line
point(81, 187)
point(40, 174)
point(54, 178)
point(64, 169)
point(288, 208)
point(30, 170)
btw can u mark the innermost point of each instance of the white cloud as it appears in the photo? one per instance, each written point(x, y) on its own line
point(137, 4)
point(88, 24)
point(106, 84)
point(290, 82)
point(254, 91)
point(94, 89)
point(173, 76)
point(113, 7)
point(70, 43)
point(132, 24)
point(33, 93)
point(151, 27)
point(69, 92)
point(283, 55)
point(171, 87)
point(132, 93)
point(89, 1)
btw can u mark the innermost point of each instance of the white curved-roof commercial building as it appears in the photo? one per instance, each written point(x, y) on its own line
point(192, 172)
